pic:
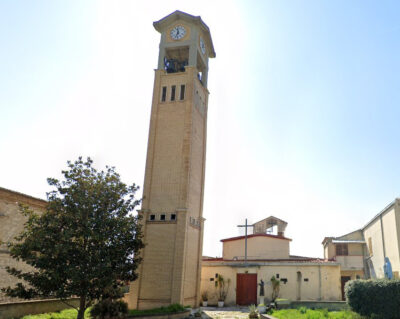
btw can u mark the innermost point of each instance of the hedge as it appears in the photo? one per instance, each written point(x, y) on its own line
point(374, 298)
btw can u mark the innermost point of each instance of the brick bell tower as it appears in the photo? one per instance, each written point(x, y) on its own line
point(172, 207)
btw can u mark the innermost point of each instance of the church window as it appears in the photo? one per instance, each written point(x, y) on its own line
point(173, 216)
point(341, 250)
point(152, 217)
point(173, 89)
point(164, 94)
point(182, 97)
point(162, 217)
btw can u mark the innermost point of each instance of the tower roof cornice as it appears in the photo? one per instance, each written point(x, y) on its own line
point(165, 22)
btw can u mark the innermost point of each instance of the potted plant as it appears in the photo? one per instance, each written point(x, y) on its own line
point(222, 287)
point(198, 313)
point(253, 312)
point(275, 288)
point(204, 297)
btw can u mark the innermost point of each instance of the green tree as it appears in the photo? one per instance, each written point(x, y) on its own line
point(85, 242)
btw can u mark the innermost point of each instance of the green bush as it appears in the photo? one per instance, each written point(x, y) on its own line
point(170, 309)
point(109, 308)
point(302, 310)
point(374, 298)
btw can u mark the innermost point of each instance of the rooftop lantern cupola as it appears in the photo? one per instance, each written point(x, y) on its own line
point(267, 225)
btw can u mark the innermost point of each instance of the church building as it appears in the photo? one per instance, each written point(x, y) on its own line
point(268, 255)
point(173, 269)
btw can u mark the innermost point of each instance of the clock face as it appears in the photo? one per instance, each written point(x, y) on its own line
point(178, 32)
point(202, 46)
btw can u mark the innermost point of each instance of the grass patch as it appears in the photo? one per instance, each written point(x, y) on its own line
point(64, 314)
point(170, 309)
point(73, 313)
point(304, 313)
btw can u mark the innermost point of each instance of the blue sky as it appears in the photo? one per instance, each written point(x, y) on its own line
point(303, 109)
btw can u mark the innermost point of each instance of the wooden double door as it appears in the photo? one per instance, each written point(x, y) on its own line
point(246, 289)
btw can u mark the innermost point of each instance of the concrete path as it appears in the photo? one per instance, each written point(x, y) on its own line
point(225, 313)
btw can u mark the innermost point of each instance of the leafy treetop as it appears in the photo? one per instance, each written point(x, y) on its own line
point(85, 242)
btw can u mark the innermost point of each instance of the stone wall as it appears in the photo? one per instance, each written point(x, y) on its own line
point(23, 308)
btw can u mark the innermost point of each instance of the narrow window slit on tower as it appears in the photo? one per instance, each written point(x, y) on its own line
point(162, 217)
point(164, 94)
point(152, 217)
point(173, 89)
point(182, 97)
point(173, 216)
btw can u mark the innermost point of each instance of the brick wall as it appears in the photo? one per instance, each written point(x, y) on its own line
point(11, 224)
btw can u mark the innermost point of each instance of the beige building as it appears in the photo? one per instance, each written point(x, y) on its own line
point(268, 254)
point(362, 253)
point(172, 206)
point(11, 224)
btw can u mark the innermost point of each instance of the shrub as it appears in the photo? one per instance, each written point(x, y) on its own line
point(253, 311)
point(109, 308)
point(170, 309)
point(302, 310)
point(374, 298)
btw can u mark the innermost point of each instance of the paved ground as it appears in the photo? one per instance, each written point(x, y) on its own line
point(225, 313)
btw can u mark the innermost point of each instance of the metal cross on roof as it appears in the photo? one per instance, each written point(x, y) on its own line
point(245, 239)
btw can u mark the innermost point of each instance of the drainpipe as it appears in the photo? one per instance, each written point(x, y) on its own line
point(320, 283)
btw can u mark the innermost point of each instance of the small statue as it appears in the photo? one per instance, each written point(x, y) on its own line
point(261, 284)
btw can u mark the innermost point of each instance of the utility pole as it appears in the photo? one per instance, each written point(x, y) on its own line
point(245, 240)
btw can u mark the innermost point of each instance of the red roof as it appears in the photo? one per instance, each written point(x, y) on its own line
point(255, 235)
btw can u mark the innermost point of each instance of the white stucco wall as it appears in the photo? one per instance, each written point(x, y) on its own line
point(374, 231)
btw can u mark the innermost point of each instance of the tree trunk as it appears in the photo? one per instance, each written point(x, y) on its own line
point(81, 311)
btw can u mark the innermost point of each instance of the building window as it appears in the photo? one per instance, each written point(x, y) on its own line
point(152, 217)
point(370, 246)
point(173, 216)
point(173, 89)
point(182, 96)
point(164, 94)
point(162, 217)
point(341, 250)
